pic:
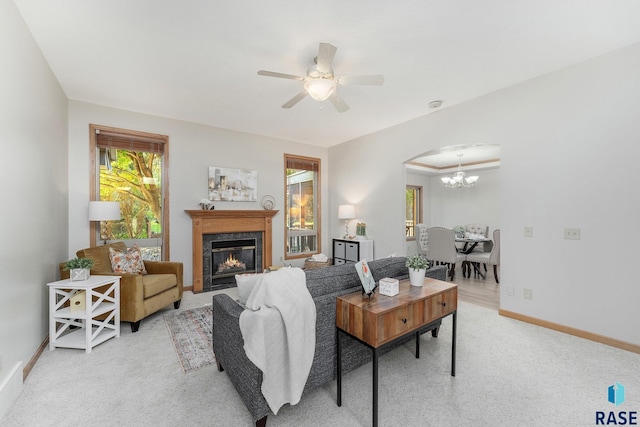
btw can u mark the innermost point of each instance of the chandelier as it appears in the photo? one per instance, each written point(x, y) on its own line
point(459, 179)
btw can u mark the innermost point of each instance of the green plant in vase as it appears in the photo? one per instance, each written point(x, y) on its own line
point(79, 263)
point(417, 262)
point(417, 265)
point(459, 230)
point(79, 268)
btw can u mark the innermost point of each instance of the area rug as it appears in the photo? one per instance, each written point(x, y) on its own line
point(190, 333)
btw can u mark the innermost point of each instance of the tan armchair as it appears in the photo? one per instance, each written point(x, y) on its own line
point(140, 295)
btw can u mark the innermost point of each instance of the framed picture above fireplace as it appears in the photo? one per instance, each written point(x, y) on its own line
point(232, 184)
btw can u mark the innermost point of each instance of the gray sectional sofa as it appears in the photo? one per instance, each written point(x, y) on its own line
point(324, 284)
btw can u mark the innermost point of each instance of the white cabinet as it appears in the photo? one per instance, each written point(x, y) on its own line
point(345, 250)
point(84, 320)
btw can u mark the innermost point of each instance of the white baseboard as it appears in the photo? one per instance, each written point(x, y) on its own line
point(10, 388)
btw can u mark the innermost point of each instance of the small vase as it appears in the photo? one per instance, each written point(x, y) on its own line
point(77, 274)
point(416, 277)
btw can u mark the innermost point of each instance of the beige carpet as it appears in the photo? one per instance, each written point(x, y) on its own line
point(509, 374)
point(190, 332)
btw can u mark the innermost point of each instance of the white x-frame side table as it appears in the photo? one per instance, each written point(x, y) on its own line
point(103, 303)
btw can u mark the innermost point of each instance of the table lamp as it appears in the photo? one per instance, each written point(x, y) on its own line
point(104, 211)
point(346, 212)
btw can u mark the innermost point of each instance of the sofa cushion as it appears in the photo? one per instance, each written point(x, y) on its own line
point(395, 267)
point(323, 281)
point(153, 284)
point(127, 261)
point(246, 283)
point(100, 255)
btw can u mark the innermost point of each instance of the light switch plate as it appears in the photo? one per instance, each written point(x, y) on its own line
point(528, 231)
point(572, 233)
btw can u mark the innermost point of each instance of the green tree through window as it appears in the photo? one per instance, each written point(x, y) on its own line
point(131, 169)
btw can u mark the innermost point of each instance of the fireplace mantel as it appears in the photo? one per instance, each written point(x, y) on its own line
point(228, 221)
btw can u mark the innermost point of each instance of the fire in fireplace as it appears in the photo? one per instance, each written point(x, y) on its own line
point(231, 265)
point(230, 257)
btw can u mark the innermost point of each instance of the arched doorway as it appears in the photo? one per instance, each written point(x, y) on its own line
point(450, 206)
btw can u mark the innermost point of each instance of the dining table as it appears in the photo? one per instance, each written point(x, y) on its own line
point(470, 243)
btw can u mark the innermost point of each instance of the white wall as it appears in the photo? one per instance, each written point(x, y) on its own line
point(192, 149)
point(33, 134)
point(567, 138)
point(460, 206)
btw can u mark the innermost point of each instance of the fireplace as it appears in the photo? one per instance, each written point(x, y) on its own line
point(226, 254)
point(210, 226)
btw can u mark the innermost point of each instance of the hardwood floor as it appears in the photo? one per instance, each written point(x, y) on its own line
point(479, 291)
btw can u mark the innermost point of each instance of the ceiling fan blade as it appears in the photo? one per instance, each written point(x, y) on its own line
point(293, 101)
point(326, 53)
point(338, 102)
point(280, 75)
point(376, 80)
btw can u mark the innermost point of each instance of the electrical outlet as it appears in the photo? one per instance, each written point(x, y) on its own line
point(510, 291)
point(528, 294)
point(572, 233)
point(528, 231)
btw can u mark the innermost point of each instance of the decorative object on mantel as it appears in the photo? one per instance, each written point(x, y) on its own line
point(459, 179)
point(417, 265)
point(206, 204)
point(79, 268)
point(268, 202)
point(346, 212)
point(233, 185)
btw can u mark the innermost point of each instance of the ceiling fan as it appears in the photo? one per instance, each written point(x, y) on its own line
point(320, 83)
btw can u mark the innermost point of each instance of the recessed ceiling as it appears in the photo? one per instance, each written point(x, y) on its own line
point(198, 60)
point(445, 160)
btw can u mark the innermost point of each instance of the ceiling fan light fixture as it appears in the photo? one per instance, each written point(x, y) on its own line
point(319, 88)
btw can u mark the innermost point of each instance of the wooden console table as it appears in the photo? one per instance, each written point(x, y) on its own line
point(382, 320)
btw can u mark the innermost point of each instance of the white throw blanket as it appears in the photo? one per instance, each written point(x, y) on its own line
point(279, 332)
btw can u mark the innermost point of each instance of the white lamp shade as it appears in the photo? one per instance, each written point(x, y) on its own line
point(104, 211)
point(346, 212)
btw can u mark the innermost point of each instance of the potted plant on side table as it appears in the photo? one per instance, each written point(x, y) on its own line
point(79, 268)
point(417, 265)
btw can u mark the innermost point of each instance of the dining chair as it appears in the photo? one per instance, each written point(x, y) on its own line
point(422, 239)
point(442, 248)
point(492, 257)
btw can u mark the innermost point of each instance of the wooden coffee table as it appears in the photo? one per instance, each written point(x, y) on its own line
point(381, 320)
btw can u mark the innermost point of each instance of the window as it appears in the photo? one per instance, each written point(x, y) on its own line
point(413, 214)
point(130, 167)
point(302, 206)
